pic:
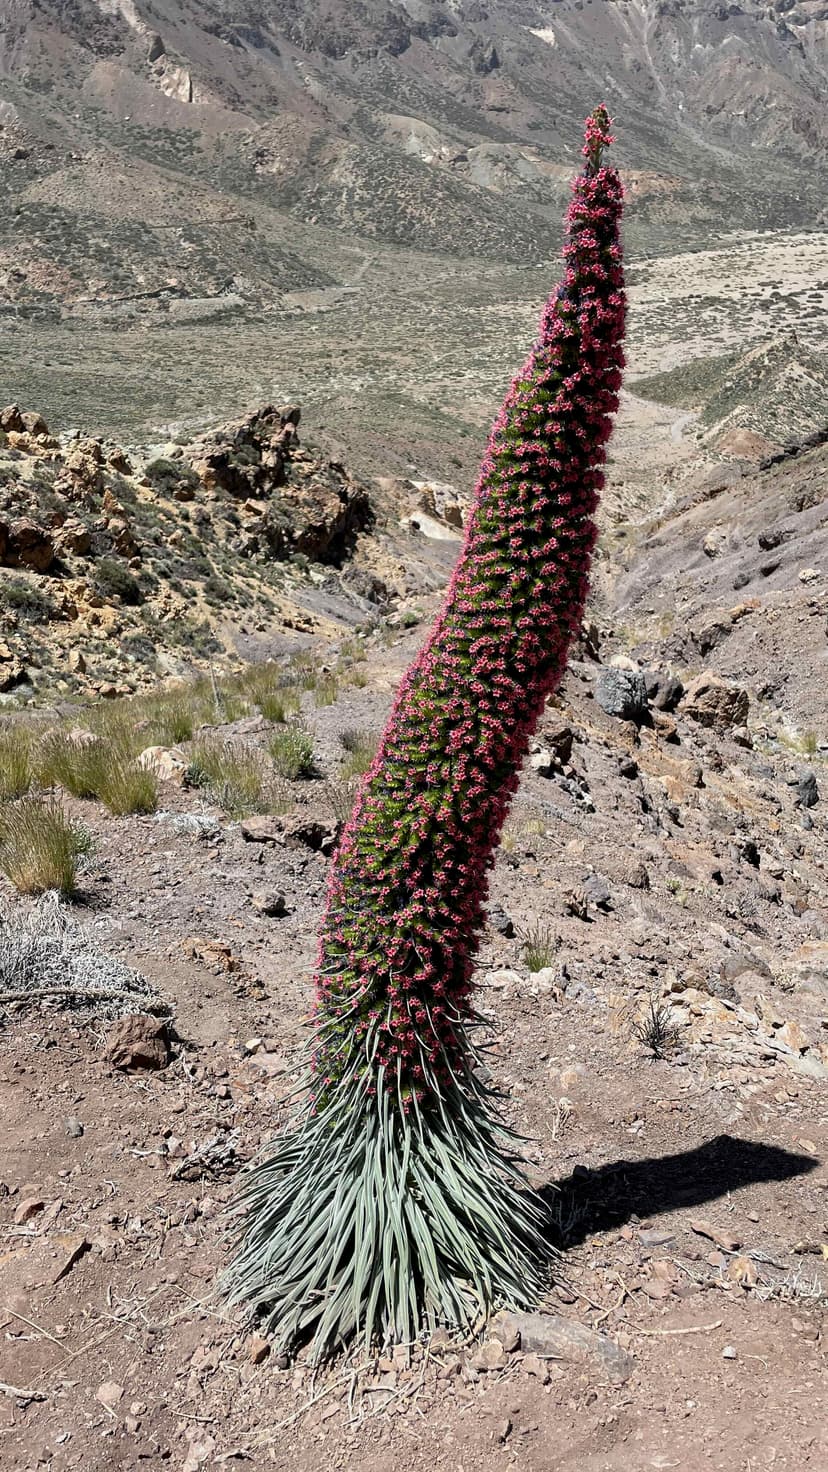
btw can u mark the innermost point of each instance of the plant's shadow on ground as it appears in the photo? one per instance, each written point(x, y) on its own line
point(592, 1201)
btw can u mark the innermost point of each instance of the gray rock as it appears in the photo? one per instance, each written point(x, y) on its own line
point(664, 689)
point(74, 1128)
point(558, 735)
point(563, 1339)
point(501, 922)
point(807, 789)
point(578, 991)
point(597, 891)
point(270, 902)
point(542, 759)
point(622, 693)
point(724, 990)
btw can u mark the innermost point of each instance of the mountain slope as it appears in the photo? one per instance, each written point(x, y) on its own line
point(226, 147)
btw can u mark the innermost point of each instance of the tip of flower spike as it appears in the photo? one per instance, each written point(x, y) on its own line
point(597, 137)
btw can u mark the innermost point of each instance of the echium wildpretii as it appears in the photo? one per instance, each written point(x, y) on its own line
point(396, 1199)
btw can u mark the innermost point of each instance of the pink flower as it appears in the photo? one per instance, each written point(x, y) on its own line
point(408, 885)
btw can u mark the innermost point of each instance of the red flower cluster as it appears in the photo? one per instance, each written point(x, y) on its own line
point(409, 883)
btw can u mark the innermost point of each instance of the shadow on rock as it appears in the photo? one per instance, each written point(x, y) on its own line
point(591, 1201)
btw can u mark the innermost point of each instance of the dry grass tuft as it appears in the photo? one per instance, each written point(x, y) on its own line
point(16, 773)
point(40, 847)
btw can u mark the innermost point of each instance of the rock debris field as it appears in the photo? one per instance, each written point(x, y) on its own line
point(685, 1324)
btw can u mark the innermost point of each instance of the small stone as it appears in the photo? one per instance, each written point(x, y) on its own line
point(793, 1037)
point(252, 1045)
point(804, 1329)
point(559, 735)
point(664, 689)
point(547, 979)
point(638, 877)
point(560, 1338)
point(807, 789)
point(109, 1394)
point(504, 979)
point(728, 1241)
point(742, 1270)
point(74, 1246)
point(500, 921)
point(532, 1364)
point(138, 1041)
point(597, 891)
point(263, 828)
point(714, 702)
point(542, 760)
point(270, 902)
point(167, 764)
point(258, 1349)
point(74, 1128)
point(29, 1207)
point(490, 1356)
point(728, 1353)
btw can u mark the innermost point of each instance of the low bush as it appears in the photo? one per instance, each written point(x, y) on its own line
point(168, 475)
point(540, 945)
point(114, 580)
point(40, 846)
point(326, 690)
point(360, 748)
point(292, 753)
point(237, 778)
point(27, 600)
point(104, 768)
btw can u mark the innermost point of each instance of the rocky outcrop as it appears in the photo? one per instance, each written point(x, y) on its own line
point(715, 702)
point(247, 458)
point(294, 502)
point(24, 543)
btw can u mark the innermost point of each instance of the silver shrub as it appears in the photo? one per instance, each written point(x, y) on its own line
point(46, 957)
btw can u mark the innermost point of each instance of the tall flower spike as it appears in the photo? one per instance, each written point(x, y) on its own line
point(396, 1200)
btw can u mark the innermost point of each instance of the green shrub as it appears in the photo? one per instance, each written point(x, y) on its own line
point(104, 768)
point(266, 685)
point(326, 690)
point(168, 475)
point(113, 580)
point(75, 765)
point(27, 600)
point(292, 753)
point(216, 590)
point(540, 945)
point(124, 787)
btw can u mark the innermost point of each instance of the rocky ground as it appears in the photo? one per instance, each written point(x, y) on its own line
point(666, 850)
point(117, 568)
